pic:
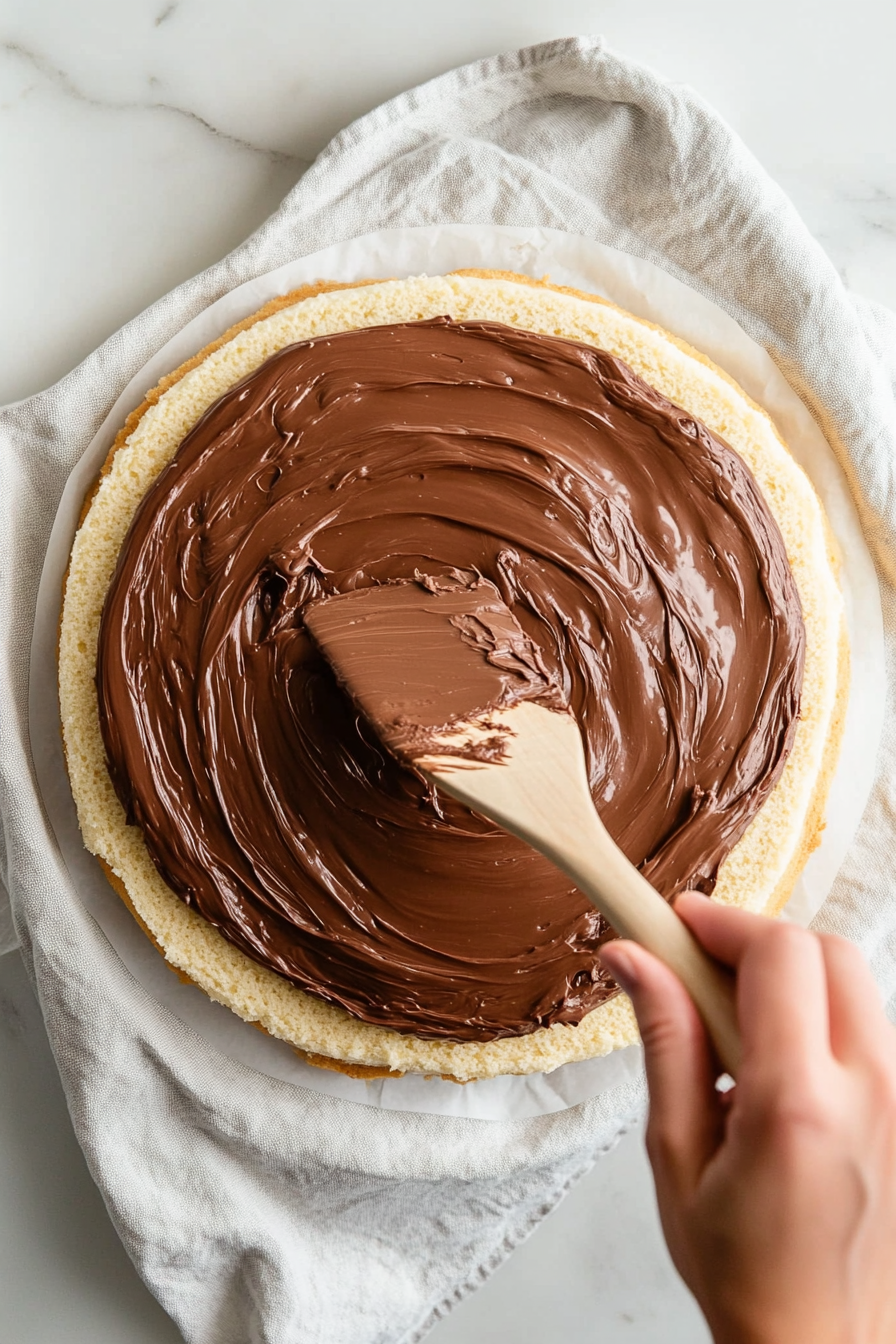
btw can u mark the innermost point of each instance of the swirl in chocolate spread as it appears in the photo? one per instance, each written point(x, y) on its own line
point(631, 544)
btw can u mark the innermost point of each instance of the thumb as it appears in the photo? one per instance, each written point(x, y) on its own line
point(686, 1119)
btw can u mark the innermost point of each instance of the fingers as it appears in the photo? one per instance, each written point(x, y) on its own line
point(726, 933)
point(685, 1122)
point(858, 1027)
point(783, 1009)
point(782, 995)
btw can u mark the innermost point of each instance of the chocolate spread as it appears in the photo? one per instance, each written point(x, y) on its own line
point(632, 546)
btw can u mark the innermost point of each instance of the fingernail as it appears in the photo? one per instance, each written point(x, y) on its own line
point(622, 969)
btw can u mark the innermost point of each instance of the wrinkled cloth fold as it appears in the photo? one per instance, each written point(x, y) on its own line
point(259, 1211)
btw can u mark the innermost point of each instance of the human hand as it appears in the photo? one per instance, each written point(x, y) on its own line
point(778, 1198)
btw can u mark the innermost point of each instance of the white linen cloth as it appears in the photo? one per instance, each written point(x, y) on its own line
point(254, 1210)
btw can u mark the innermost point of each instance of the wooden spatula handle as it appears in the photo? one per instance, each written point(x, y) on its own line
point(541, 794)
point(636, 911)
point(553, 811)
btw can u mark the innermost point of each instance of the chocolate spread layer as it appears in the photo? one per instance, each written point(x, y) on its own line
point(632, 546)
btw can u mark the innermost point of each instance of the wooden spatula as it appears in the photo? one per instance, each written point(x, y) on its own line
point(444, 676)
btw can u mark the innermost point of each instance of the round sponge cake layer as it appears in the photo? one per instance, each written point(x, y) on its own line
point(760, 871)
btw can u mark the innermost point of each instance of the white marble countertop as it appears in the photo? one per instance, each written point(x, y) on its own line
point(139, 142)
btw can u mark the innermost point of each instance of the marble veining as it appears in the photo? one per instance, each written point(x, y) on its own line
point(42, 66)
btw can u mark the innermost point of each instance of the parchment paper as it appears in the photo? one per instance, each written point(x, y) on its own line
point(643, 289)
